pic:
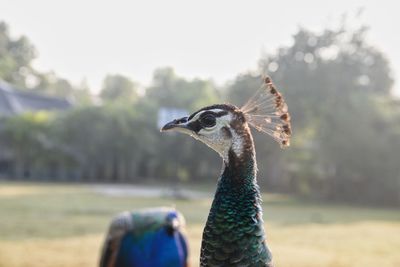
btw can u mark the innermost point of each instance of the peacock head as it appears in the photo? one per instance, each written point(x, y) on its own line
point(225, 127)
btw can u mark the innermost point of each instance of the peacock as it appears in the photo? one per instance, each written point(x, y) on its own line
point(152, 237)
point(234, 232)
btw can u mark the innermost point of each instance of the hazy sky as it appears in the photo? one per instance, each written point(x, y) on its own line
point(209, 38)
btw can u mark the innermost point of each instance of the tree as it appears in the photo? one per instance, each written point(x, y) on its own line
point(332, 82)
point(52, 85)
point(23, 136)
point(118, 87)
point(321, 70)
point(16, 56)
point(82, 95)
point(170, 90)
point(358, 152)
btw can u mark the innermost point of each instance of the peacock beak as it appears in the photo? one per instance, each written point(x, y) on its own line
point(180, 125)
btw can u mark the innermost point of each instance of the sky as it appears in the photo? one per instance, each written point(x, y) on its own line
point(216, 39)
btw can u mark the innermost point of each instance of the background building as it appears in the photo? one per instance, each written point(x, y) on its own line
point(15, 102)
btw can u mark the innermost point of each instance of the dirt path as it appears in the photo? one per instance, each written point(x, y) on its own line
point(147, 191)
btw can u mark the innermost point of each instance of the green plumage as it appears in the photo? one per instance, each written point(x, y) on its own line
point(234, 233)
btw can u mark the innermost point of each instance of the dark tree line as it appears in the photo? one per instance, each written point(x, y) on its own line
point(346, 123)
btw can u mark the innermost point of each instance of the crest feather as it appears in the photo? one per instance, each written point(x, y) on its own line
point(267, 112)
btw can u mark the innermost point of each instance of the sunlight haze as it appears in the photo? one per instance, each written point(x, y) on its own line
point(207, 39)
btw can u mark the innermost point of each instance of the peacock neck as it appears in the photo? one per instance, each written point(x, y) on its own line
point(238, 183)
point(234, 232)
point(240, 168)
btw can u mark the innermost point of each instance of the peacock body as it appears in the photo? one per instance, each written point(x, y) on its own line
point(234, 233)
point(146, 238)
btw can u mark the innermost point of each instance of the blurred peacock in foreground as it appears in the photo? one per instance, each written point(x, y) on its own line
point(146, 238)
point(234, 233)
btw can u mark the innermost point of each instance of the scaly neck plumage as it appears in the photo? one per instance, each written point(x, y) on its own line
point(234, 232)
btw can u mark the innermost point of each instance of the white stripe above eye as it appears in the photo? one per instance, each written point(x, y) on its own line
point(215, 110)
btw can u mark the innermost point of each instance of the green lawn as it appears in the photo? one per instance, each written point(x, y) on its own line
point(63, 225)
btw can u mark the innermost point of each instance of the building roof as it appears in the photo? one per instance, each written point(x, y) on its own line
point(14, 101)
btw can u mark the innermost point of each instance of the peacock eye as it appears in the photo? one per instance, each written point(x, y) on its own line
point(208, 121)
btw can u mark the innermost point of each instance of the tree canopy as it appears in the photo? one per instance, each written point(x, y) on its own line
point(346, 123)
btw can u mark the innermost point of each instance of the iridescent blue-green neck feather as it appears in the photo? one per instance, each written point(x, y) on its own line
point(234, 233)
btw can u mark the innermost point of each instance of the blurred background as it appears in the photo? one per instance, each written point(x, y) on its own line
point(85, 86)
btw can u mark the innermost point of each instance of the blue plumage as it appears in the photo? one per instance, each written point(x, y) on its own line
point(152, 249)
point(149, 238)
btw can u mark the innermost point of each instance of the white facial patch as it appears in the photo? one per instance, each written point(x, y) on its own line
point(218, 140)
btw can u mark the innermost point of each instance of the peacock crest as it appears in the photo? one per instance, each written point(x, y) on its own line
point(267, 112)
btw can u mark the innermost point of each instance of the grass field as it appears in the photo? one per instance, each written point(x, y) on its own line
point(63, 225)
